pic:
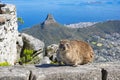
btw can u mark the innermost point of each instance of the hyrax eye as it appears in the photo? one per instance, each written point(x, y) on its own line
point(61, 45)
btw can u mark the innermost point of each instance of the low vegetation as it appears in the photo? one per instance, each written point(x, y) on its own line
point(27, 56)
point(4, 64)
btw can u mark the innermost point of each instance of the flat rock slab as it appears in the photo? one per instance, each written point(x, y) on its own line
point(14, 73)
point(67, 73)
point(95, 71)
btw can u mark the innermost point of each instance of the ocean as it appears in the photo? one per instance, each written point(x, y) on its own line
point(66, 11)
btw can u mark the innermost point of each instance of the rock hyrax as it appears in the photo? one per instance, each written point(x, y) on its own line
point(74, 52)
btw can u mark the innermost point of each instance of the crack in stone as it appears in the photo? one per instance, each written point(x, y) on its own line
point(104, 74)
point(31, 76)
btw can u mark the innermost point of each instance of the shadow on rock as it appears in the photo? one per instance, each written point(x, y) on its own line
point(48, 65)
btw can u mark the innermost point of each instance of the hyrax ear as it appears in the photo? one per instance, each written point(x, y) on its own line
point(61, 41)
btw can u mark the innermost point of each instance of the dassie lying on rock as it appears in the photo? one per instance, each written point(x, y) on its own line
point(74, 52)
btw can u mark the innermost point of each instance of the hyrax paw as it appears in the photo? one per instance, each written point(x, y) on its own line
point(75, 65)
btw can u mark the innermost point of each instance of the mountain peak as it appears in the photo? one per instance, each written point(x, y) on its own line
point(49, 20)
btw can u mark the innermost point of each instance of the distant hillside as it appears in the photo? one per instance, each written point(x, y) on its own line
point(101, 28)
point(108, 26)
point(52, 32)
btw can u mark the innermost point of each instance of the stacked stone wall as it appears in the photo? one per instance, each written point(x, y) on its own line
point(8, 33)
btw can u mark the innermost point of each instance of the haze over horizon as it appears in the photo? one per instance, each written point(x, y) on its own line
point(66, 11)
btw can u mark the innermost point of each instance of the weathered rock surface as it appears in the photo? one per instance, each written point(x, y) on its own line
point(8, 33)
point(49, 20)
point(1, 5)
point(51, 51)
point(12, 44)
point(13, 73)
point(34, 44)
point(19, 45)
point(95, 71)
point(45, 60)
point(68, 73)
point(31, 42)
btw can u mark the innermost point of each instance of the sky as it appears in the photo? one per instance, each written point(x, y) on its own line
point(66, 11)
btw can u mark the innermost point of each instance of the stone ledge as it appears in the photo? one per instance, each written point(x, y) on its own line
point(95, 71)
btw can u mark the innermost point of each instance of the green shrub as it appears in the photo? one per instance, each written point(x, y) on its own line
point(20, 20)
point(4, 64)
point(27, 56)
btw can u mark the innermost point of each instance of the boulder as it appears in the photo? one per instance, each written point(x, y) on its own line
point(51, 51)
point(34, 44)
point(31, 42)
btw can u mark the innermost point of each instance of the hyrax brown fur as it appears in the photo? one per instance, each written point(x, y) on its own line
point(74, 52)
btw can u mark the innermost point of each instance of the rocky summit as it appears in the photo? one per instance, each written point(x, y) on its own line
point(49, 20)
